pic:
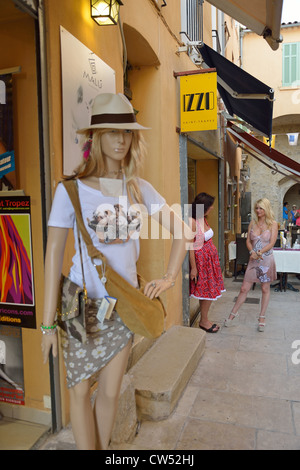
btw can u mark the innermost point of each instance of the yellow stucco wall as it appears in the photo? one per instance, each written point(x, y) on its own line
point(256, 53)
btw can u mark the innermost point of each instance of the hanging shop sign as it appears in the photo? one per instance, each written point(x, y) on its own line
point(198, 102)
point(17, 301)
point(7, 154)
point(266, 141)
point(11, 366)
point(84, 75)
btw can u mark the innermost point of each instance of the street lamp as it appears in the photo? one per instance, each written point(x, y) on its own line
point(105, 12)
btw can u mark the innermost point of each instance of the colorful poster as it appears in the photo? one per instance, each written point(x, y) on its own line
point(198, 102)
point(84, 75)
point(11, 366)
point(7, 155)
point(17, 303)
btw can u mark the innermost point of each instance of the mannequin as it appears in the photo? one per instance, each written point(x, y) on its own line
point(112, 156)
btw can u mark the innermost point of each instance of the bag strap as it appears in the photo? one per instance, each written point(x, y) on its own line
point(72, 191)
point(81, 261)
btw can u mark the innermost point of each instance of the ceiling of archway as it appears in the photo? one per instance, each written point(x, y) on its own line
point(139, 51)
point(286, 124)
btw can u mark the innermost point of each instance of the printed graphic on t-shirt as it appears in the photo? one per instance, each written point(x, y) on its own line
point(113, 224)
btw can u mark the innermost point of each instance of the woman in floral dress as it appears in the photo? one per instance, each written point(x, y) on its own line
point(205, 272)
point(262, 235)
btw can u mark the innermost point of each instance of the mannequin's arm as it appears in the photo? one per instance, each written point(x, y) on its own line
point(182, 237)
point(56, 243)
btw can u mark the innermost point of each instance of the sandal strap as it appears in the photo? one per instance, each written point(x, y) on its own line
point(234, 314)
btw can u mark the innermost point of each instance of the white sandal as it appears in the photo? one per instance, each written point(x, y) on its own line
point(231, 321)
point(261, 324)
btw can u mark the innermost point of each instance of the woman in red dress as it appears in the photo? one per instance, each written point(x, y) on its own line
point(206, 280)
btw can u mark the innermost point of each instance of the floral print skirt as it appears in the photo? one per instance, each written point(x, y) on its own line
point(104, 341)
point(262, 270)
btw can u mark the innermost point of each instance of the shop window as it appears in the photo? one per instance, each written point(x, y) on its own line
point(192, 20)
point(291, 64)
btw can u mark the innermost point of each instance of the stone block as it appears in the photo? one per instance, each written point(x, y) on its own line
point(163, 372)
point(125, 424)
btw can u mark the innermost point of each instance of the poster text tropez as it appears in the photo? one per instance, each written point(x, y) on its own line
point(11, 203)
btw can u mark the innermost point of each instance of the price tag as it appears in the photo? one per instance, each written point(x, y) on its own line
point(106, 308)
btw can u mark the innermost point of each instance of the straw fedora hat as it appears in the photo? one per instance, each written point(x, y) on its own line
point(112, 111)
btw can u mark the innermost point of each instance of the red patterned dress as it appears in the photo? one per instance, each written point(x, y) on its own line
point(210, 284)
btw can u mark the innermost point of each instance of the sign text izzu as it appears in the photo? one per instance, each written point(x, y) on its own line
point(198, 102)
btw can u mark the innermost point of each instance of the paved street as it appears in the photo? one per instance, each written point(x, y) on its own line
point(245, 392)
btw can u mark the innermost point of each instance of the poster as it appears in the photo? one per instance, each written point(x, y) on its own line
point(17, 302)
point(11, 366)
point(198, 102)
point(84, 76)
point(7, 155)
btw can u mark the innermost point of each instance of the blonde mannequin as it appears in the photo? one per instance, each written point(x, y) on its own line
point(113, 151)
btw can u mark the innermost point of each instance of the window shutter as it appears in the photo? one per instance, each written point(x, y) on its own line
point(291, 64)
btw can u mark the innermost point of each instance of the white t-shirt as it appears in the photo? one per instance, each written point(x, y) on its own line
point(208, 234)
point(122, 257)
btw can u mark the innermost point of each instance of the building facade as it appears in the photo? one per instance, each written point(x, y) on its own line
point(282, 74)
point(144, 55)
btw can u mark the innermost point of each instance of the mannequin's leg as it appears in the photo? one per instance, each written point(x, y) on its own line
point(82, 418)
point(106, 403)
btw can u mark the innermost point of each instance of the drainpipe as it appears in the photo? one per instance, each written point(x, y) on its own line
point(242, 33)
point(222, 29)
point(45, 176)
point(184, 197)
point(45, 108)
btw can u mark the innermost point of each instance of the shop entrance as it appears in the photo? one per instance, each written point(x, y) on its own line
point(203, 174)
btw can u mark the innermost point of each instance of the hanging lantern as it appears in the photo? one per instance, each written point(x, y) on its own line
point(105, 12)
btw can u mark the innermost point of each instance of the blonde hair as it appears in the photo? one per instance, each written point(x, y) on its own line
point(265, 204)
point(95, 165)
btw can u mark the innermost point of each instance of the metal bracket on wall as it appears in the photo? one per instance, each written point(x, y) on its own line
point(11, 70)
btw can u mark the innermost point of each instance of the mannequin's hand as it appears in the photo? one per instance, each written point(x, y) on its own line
point(157, 286)
point(49, 341)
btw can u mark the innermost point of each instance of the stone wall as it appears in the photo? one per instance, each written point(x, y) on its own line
point(276, 187)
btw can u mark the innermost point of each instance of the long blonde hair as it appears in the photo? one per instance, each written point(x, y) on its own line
point(95, 165)
point(265, 204)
